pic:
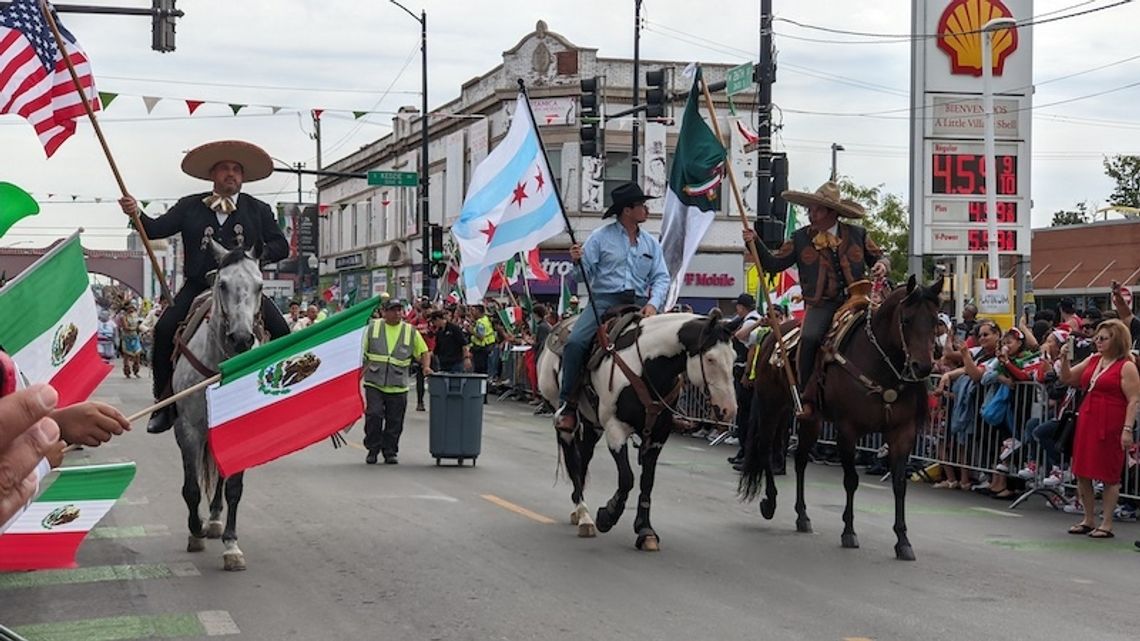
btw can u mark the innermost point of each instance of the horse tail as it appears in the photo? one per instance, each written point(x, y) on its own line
point(207, 473)
point(756, 458)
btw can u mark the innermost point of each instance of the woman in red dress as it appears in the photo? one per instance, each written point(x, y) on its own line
point(1111, 384)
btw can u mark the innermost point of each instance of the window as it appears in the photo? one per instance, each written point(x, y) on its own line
point(555, 156)
point(567, 62)
point(617, 172)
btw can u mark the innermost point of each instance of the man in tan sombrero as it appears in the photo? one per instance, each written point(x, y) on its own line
point(830, 255)
point(225, 214)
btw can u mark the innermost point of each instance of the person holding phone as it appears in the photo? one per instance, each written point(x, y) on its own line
point(1105, 421)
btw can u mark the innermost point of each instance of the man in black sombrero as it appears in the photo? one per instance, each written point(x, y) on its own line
point(625, 266)
point(226, 214)
point(830, 255)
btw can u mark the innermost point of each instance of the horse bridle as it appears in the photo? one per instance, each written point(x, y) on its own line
point(907, 375)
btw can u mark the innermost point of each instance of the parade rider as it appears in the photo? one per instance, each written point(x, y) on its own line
point(219, 213)
point(624, 266)
point(830, 255)
point(390, 345)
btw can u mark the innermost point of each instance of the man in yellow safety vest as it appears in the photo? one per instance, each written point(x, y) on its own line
point(482, 338)
point(390, 344)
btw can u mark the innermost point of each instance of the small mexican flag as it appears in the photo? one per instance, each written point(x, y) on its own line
point(50, 321)
point(15, 204)
point(564, 298)
point(289, 393)
point(47, 535)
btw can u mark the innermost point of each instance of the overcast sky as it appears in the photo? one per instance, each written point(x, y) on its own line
point(342, 55)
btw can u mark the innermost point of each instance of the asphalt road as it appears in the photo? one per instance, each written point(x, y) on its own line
point(340, 550)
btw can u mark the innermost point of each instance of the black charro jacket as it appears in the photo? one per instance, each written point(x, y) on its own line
point(819, 273)
point(191, 217)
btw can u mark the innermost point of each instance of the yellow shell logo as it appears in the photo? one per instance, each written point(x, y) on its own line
point(960, 36)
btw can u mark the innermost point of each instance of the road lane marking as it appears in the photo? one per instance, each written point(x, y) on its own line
point(857, 639)
point(96, 574)
point(694, 448)
point(1077, 544)
point(416, 497)
point(129, 532)
point(133, 500)
point(517, 509)
point(126, 628)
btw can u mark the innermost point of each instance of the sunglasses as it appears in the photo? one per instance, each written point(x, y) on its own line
point(1099, 339)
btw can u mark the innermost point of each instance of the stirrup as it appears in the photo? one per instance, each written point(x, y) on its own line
point(566, 419)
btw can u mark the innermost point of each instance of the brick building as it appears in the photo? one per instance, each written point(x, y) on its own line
point(1081, 261)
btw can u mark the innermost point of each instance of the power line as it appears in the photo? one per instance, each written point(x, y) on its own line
point(248, 86)
point(352, 132)
point(1036, 20)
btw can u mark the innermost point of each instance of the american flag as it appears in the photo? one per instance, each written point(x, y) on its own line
point(34, 81)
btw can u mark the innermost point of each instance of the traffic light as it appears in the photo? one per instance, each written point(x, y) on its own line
point(773, 227)
point(590, 132)
point(162, 25)
point(436, 247)
point(655, 94)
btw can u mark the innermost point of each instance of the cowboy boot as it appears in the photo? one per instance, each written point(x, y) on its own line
point(566, 418)
point(162, 419)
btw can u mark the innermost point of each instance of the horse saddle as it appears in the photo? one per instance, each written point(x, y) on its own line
point(560, 335)
point(791, 342)
point(622, 325)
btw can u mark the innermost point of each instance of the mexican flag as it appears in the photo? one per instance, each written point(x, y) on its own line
point(693, 195)
point(47, 535)
point(49, 323)
point(564, 298)
point(289, 393)
point(784, 288)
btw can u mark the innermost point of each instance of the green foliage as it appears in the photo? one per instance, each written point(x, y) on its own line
point(1078, 215)
point(887, 220)
point(1125, 170)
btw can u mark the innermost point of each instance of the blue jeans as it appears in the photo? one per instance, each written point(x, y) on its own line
point(585, 328)
point(1046, 435)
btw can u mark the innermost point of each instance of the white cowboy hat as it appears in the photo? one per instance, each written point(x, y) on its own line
point(255, 163)
point(827, 195)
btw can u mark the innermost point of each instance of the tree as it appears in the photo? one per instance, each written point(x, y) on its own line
point(887, 220)
point(1078, 215)
point(1125, 170)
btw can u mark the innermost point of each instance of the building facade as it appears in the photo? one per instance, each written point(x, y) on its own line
point(370, 236)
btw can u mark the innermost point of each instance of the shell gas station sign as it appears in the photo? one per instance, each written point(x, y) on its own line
point(948, 176)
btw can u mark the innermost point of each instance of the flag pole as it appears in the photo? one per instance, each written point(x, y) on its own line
point(158, 271)
point(526, 288)
point(173, 399)
point(561, 205)
point(772, 322)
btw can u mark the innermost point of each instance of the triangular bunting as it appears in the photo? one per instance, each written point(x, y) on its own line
point(275, 110)
point(106, 97)
point(150, 102)
point(322, 209)
point(236, 108)
point(193, 105)
point(144, 203)
point(357, 115)
point(317, 113)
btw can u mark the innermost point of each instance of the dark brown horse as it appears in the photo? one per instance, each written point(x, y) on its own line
point(875, 383)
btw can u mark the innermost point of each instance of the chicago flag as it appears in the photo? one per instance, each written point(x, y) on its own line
point(511, 205)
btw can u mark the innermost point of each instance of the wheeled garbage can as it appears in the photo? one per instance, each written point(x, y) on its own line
point(456, 418)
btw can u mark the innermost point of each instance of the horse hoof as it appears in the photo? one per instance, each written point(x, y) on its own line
point(587, 530)
point(904, 553)
point(195, 543)
point(648, 543)
point(767, 508)
point(603, 521)
point(214, 530)
point(233, 562)
point(850, 541)
point(803, 526)
point(574, 517)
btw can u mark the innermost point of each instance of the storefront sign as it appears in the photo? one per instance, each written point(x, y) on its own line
point(994, 295)
point(347, 262)
point(714, 276)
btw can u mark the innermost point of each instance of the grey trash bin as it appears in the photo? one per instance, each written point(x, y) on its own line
point(456, 418)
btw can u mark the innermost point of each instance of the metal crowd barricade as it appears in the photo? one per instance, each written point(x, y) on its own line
point(1002, 450)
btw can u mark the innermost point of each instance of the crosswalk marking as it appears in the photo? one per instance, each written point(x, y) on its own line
point(126, 628)
point(128, 532)
point(95, 574)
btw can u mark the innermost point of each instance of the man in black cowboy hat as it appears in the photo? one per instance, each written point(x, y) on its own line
point(625, 266)
point(830, 256)
point(224, 214)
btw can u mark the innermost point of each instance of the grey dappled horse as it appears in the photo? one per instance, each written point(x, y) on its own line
point(670, 345)
point(229, 330)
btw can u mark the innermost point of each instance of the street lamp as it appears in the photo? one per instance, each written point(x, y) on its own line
point(422, 19)
point(988, 29)
point(835, 149)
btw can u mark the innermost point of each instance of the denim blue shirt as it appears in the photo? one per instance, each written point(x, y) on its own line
point(614, 265)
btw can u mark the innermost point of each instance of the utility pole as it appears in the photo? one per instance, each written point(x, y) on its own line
point(317, 137)
point(424, 178)
point(767, 72)
point(634, 155)
point(300, 212)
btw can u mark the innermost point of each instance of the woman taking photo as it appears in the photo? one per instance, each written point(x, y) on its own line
point(1104, 424)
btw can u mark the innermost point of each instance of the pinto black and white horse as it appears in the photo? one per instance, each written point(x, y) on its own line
point(669, 346)
point(231, 328)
